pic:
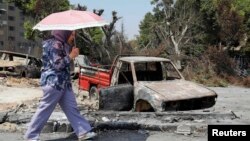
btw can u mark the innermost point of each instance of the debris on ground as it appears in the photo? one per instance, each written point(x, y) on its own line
point(7, 106)
point(105, 119)
point(19, 82)
point(8, 127)
point(183, 129)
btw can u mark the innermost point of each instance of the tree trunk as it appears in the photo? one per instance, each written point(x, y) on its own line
point(177, 60)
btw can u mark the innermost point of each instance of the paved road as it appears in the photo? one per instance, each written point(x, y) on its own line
point(234, 99)
point(230, 99)
point(102, 136)
point(111, 136)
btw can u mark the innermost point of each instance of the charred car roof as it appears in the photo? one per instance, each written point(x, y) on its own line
point(143, 59)
point(17, 54)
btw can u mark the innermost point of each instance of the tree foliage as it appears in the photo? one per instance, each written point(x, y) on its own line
point(192, 25)
point(192, 29)
point(35, 10)
point(173, 24)
point(146, 28)
point(41, 8)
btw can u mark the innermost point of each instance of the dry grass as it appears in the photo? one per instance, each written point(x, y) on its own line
point(246, 81)
point(214, 68)
point(152, 51)
point(21, 82)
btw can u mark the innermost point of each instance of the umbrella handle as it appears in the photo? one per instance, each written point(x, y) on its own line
point(75, 41)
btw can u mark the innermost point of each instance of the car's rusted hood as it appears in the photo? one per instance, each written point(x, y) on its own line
point(177, 90)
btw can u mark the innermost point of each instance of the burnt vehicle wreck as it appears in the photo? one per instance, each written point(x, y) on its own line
point(152, 84)
point(19, 65)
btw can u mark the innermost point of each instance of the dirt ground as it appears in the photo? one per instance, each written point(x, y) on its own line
point(16, 91)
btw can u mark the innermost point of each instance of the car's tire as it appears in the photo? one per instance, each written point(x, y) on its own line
point(23, 74)
point(93, 93)
point(74, 76)
point(143, 106)
point(94, 97)
point(30, 74)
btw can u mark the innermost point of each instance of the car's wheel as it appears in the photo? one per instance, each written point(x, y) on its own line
point(143, 106)
point(30, 74)
point(74, 76)
point(94, 97)
point(23, 74)
point(93, 93)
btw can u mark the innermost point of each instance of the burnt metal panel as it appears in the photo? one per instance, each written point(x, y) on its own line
point(117, 98)
point(174, 94)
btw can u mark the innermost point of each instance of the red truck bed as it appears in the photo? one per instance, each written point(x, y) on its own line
point(93, 76)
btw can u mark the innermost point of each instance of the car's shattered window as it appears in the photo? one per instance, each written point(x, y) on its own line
point(170, 72)
point(155, 71)
point(125, 74)
point(148, 71)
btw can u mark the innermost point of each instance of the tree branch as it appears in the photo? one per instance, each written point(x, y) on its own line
point(183, 33)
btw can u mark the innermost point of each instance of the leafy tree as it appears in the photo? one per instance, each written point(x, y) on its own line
point(243, 7)
point(171, 25)
point(209, 20)
point(147, 37)
point(226, 22)
point(27, 6)
point(36, 10)
point(230, 22)
point(186, 27)
point(41, 8)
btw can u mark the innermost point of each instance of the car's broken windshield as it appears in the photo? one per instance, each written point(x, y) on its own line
point(155, 71)
point(170, 72)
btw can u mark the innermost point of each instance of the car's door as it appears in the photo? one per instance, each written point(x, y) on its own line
point(120, 95)
point(117, 98)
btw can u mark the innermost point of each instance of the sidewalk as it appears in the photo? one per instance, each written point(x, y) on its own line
point(13, 96)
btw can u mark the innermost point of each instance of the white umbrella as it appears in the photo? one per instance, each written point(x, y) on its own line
point(70, 20)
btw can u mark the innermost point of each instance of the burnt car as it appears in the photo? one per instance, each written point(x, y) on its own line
point(19, 65)
point(152, 84)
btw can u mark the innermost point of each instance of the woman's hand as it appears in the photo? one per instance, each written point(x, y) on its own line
point(74, 53)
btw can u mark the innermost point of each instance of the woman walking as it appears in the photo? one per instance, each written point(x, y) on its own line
point(57, 87)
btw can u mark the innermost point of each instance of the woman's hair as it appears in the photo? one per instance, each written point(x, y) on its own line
point(61, 35)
